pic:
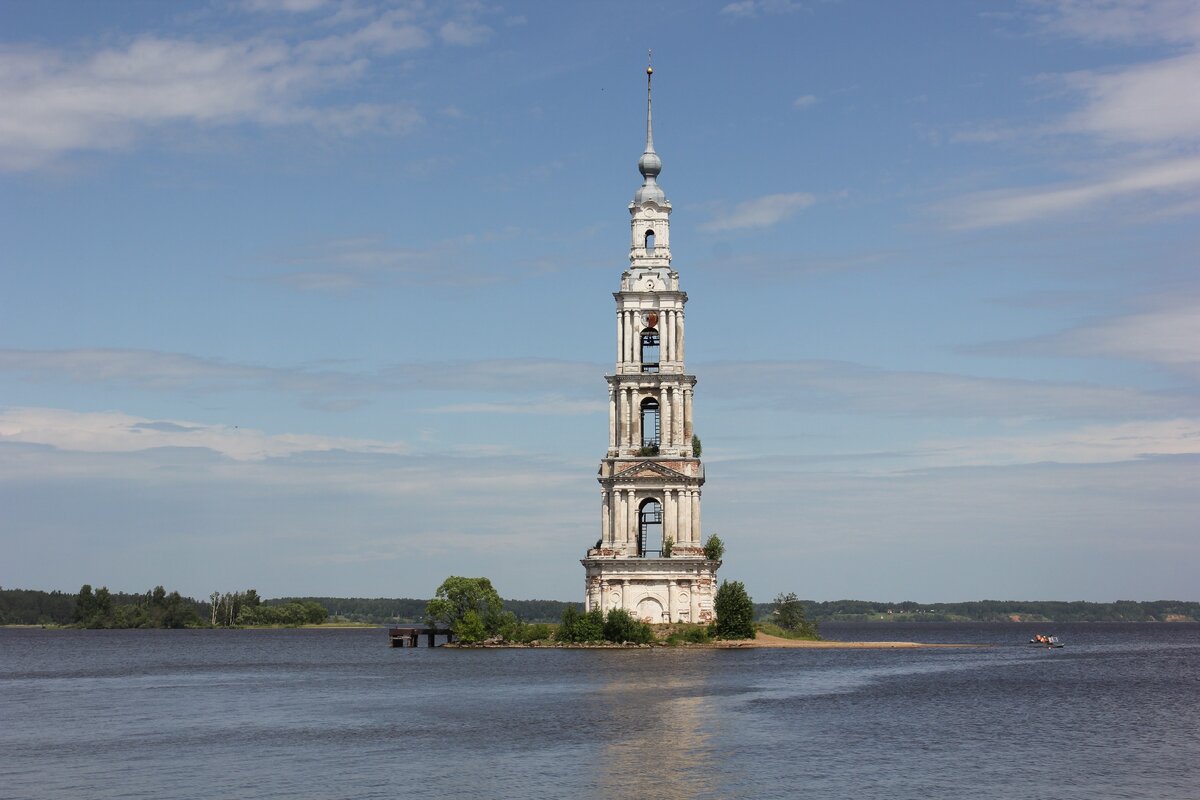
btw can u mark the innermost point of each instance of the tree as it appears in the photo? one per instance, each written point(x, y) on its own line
point(457, 596)
point(695, 446)
point(735, 612)
point(789, 615)
point(85, 604)
point(714, 548)
point(620, 627)
point(580, 627)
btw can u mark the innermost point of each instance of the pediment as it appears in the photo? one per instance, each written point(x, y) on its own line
point(649, 469)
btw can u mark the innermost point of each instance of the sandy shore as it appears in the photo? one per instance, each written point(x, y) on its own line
point(765, 640)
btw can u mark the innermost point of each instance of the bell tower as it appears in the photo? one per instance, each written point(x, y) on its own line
point(650, 557)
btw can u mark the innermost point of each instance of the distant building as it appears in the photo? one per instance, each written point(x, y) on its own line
point(650, 558)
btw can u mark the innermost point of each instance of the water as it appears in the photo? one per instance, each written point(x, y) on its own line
point(338, 714)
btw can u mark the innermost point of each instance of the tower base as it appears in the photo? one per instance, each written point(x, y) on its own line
point(654, 590)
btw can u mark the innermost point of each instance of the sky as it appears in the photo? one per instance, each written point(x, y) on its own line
point(316, 298)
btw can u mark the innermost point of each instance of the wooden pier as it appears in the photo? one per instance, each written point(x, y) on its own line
point(410, 636)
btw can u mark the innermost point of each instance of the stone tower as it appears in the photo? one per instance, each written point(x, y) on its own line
point(650, 557)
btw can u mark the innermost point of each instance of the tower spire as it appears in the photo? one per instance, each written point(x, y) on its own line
point(649, 164)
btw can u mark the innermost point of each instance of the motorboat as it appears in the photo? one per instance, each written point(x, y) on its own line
point(1042, 640)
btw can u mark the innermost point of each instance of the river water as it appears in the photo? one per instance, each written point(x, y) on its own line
point(339, 714)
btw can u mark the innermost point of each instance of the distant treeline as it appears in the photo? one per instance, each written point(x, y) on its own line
point(383, 610)
point(33, 607)
point(998, 611)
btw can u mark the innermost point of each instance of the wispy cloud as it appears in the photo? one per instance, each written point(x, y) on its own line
point(752, 8)
point(181, 373)
point(113, 432)
point(1127, 441)
point(61, 101)
point(805, 101)
point(840, 387)
point(1144, 103)
point(1168, 335)
point(1133, 128)
point(1172, 177)
point(1114, 21)
point(762, 212)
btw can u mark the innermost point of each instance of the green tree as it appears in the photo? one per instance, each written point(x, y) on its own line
point(735, 612)
point(85, 604)
point(457, 596)
point(470, 628)
point(579, 627)
point(714, 548)
point(695, 446)
point(620, 626)
point(788, 614)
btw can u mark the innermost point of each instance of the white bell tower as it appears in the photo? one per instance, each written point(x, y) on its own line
point(650, 556)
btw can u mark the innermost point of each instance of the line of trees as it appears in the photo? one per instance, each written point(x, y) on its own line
point(35, 607)
point(155, 609)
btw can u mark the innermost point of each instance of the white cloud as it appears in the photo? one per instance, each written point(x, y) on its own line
point(182, 373)
point(464, 32)
point(752, 8)
point(1123, 20)
point(1145, 103)
point(762, 212)
point(57, 102)
point(1168, 336)
point(552, 406)
point(1164, 177)
point(805, 101)
point(1127, 441)
point(830, 386)
point(113, 432)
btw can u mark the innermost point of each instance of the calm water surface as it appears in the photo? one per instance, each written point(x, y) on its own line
point(339, 714)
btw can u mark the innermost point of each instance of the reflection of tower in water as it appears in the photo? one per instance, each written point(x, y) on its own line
point(658, 740)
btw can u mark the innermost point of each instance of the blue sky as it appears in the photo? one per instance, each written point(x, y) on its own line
point(316, 297)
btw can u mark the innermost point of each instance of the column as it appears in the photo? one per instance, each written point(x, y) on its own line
point(695, 598)
point(671, 614)
point(631, 521)
point(629, 336)
point(669, 515)
point(687, 416)
point(679, 335)
point(620, 339)
point(603, 606)
point(685, 514)
point(664, 423)
point(679, 419)
point(612, 417)
point(636, 324)
point(668, 338)
point(696, 517)
point(625, 593)
point(604, 518)
point(626, 421)
point(618, 521)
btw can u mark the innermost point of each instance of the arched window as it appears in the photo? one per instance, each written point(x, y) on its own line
point(650, 350)
point(650, 534)
point(650, 418)
point(650, 243)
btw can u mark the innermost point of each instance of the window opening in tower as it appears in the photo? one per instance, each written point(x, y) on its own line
point(650, 350)
point(650, 423)
point(650, 528)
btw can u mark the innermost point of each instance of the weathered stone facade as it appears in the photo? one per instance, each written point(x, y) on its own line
point(650, 558)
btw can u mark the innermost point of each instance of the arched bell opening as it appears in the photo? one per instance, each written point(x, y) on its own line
point(651, 423)
point(650, 350)
point(650, 530)
point(650, 243)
